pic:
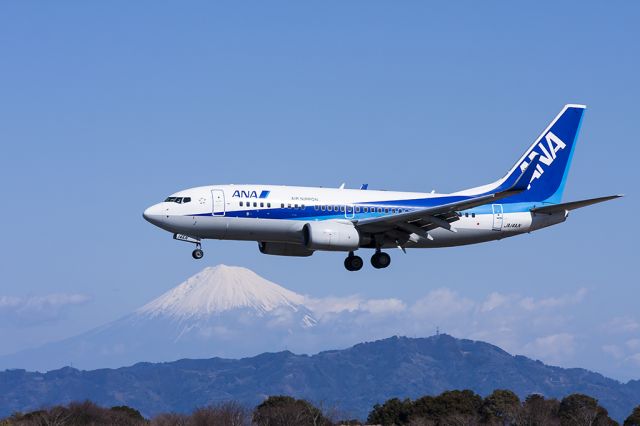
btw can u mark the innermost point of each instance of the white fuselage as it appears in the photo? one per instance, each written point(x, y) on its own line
point(267, 213)
point(298, 221)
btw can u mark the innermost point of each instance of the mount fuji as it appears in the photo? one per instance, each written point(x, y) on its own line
point(223, 311)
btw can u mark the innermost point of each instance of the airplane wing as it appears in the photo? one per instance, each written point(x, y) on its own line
point(421, 221)
point(555, 208)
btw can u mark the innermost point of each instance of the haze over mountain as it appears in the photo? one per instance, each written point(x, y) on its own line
point(349, 380)
point(221, 311)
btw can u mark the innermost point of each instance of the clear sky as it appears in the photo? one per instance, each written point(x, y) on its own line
point(108, 107)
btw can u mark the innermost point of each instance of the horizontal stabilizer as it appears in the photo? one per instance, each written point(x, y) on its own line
point(572, 205)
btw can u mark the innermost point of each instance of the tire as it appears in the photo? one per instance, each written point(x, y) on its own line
point(197, 254)
point(353, 263)
point(356, 263)
point(347, 264)
point(380, 260)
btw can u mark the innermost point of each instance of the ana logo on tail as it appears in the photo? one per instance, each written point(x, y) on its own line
point(547, 154)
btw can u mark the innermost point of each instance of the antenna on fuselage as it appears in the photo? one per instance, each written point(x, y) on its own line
point(341, 186)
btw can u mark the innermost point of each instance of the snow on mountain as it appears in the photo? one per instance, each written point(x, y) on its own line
point(219, 289)
point(224, 311)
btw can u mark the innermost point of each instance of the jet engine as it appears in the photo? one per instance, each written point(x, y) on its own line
point(284, 249)
point(332, 236)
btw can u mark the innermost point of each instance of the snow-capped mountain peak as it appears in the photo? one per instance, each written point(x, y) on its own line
point(222, 288)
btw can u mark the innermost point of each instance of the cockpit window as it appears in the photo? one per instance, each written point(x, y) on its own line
point(178, 200)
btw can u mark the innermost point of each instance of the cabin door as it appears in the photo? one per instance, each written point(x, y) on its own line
point(217, 195)
point(498, 217)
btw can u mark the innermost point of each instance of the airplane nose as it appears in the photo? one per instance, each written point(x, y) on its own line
point(147, 214)
point(152, 214)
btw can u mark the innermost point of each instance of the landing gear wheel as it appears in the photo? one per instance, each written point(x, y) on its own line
point(353, 263)
point(380, 260)
point(197, 254)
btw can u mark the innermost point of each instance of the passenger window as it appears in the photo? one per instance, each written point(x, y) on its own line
point(357, 209)
point(379, 209)
point(288, 206)
point(268, 205)
point(342, 209)
point(473, 215)
point(295, 206)
point(282, 205)
point(466, 215)
point(393, 210)
point(322, 208)
point(261, 204)
point(302, 207)
point(255, 204)
point(240, 203)
point(365, 209)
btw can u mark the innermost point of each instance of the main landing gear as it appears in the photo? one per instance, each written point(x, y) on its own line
point(353, 262)
point(379, 260)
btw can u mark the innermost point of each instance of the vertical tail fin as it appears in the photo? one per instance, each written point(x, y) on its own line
point(554, 147)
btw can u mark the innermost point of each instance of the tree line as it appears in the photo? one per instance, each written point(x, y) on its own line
point(451, 408)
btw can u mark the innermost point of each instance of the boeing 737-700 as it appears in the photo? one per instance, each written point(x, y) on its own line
point(298, 221)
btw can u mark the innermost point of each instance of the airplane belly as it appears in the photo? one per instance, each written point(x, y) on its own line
point(269, 230)
point(214, 227)
point(478, 229)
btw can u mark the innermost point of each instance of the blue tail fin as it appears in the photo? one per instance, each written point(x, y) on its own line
point(554, 147)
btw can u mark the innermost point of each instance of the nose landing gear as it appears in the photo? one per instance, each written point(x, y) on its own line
point(353, 262)
point(380, 260)
point(197, 253)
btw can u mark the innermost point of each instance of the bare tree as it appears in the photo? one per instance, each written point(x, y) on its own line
point(171, 419)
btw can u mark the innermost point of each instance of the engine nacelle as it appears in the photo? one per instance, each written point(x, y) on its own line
point(331, 236)
point(284, 249)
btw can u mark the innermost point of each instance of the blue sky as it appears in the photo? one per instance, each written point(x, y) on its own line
point(107, 108)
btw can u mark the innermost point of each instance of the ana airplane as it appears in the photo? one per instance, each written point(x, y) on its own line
point(297, 221)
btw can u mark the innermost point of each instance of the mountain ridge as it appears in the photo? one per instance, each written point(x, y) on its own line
point(351, 379)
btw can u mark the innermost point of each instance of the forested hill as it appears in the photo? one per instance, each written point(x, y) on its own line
point(350, 380)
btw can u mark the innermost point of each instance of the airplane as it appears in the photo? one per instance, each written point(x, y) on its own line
point(298, 221)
